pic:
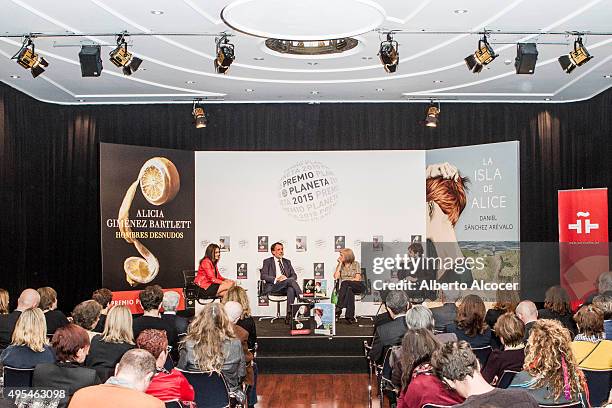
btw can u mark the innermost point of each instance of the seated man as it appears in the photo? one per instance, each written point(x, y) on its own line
point(390, 333)
point(280, 277)
point(458, 367)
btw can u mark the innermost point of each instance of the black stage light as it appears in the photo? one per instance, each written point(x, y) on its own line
point(199, 116)
point(526, 57)
point(389, 54)
point(579, 56)
point(433, 112)
point(124, 59)
point(225, 55)
point(481, 57)
point(29, 59)
point(91, 62)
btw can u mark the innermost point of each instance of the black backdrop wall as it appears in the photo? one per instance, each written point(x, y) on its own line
point(49, 172)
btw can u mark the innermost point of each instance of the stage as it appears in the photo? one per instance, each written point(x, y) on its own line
point(279, 352)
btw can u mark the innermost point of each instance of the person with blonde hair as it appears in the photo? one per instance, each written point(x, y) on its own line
point(107, 348)
point(348, 273)
point(246, 321)
point(29, 345)
point(4, 302)
point(550, 372)
point(28, 299)
point(211, 345)
point(48, 304)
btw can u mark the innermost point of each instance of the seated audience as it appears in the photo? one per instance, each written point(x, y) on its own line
point(528, 313)
point(28, 299)
point(557, 307)
point(418, 383)
point(510, 331)
point(211, 345)
point(4, 311)
point(108, 348)
point(86, 314)
point(126, 388)
point(48, 304)
point(29, 345)
point(104, 297)
point(234, 311)
point(167, 385)
point(550, 373)
point(592, 351)
point(246, 321)
point(470, 324)
point(604, 302)
point(507, 300)
point(151, 299)
point(390, 333)
point(447, 313)
point(170, 303)
point(71, 345)
point(458, 367)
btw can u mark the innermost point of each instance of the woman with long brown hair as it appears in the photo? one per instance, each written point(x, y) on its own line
point(210, 345)
point(550, 372)
point(470, 324)
point(420, 385)
point(557, 307)
point(208, 276)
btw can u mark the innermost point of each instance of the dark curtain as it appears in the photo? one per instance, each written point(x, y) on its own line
point(50, 218)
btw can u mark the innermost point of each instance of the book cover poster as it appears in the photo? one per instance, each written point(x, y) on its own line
point(241, 270)
point(319, 270)
point(324, 319)
point(224, 243)
point(377, 243)
point(320, 288)
point(300, 244)
point(301, 319)
point(263, 301)
point(308, 288)
point(262, 243)
point(339, 242)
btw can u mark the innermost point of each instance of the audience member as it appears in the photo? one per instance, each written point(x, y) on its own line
point(506, 301)
point(4, 313)
point(391, 333)
point(28, 299)
point(246, 321)
point(211, 345)
point(510, 331)
point(71, 345)
point(550, 373)
point(234, 311)
point(48, 304)
point(104, 297)
point(419, 384)
point(151, 299)
point(528, 313)
point(167, 385)
point(170, 303)
point(108, 348)
point(604, 302)
point(458, 367)
point(29, 342)
point(592, 351)
point(557, 307)
point(470, 324)
point(447, 313)
point(604, 286)
point(86, 314)
point(126, 388)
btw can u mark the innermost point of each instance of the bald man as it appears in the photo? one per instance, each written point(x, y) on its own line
point(528, 313)
point(28, 299)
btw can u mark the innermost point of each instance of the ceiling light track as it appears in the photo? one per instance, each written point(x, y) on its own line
point(112, 34)
point(496, 32)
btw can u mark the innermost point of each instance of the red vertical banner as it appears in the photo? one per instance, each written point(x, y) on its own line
point(583, 239)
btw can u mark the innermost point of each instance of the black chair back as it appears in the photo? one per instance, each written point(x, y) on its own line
point(210, 388)
point(482, 353)
point(577, 404)
point(506, 378)
point(17, 377)
point(599, 383)
point(173, 404)
point(436, 406)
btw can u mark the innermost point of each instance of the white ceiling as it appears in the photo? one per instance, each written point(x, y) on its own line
point(177, 69)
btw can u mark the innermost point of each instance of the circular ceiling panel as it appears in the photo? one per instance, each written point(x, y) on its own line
point(303, 20)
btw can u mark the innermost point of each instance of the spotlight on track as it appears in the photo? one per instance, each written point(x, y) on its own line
point(481, 57)
point(29, 59)
point(200, 120)
point(124, 59)
point(579, 56)
point(433, 112)
point(225, 55)
point(389, 54)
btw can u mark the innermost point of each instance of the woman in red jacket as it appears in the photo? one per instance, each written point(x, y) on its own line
point(208, 277)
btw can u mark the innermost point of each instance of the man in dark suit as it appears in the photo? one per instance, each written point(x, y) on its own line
point(280, 277)
point(390, 333)
point(447, 313)
point(170, 303)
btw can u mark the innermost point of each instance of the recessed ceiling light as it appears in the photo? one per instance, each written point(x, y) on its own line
point(380, 89)
point(314, 92)
point(313, 63)
point(157, 12)
point(15, 76)
point(366, 58)
point(248, 90)
point(258, 58)
point(507, 62)
point(605, 76)
point(81, 100)
point(437, 81)
point(190, 82)
point(547, 99)
point(460, 11)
